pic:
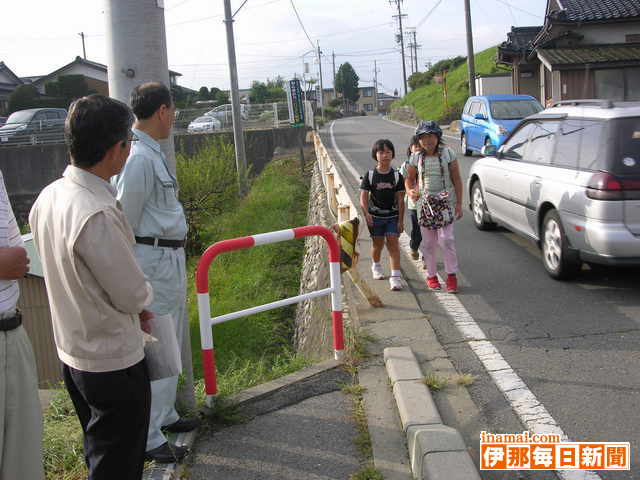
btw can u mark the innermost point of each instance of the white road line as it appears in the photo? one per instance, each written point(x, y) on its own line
point(412, 128)
point(531, 412)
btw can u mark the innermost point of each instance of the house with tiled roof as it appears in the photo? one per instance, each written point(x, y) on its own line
point(8, 83)
point(95, 75)
point(585, 49)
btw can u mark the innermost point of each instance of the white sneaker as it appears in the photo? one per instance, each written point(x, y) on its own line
point(396, 283)
point(376, 270)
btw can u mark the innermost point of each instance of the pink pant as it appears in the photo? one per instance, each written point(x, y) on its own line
point(430, 241)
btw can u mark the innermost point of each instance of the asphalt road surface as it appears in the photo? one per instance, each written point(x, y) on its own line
point(574, 344)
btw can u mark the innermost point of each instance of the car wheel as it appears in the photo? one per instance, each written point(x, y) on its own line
point(481, 218)
point(463, 146)
point(559, 260)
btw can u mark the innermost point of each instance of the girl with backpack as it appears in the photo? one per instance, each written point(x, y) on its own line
point(416, 236)
point(433, 180)
point(382, 203)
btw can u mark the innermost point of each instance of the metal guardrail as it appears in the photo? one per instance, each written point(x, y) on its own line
point(32, 135)
point(204, 307)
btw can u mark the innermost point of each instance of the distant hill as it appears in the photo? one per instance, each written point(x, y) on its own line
point(428, 100)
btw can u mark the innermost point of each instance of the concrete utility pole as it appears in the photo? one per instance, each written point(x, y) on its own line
point(321, 89)
point(411, 33)
point(335, 95)
point(470, 58)
point(238, 135)
point(136, 55)
point(415, 49)
point(84, 50)
point(404, 67)
point(375, 83)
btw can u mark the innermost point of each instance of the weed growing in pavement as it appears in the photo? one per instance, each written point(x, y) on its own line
point(367, 473)
point(435, 382)
point(465, 379)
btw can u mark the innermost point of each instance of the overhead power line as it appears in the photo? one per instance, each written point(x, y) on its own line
point(511, 5)
point(302, 25)
point(424, 19)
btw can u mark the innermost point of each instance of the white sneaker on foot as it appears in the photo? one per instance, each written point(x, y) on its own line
point(396, 283)
point(376, 270)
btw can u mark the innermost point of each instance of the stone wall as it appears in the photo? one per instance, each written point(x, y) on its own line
point(313, 336)
point(405, 113)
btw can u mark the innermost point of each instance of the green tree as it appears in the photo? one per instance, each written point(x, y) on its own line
point(222, 97)
point(203, 94)
point(24, 96)
point(347, 82)
point(259, 92)
point(277, 82)
point(179, 95)
point(213, 93)
point(71, 87)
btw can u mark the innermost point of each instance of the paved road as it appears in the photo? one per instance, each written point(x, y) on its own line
point(574, 344)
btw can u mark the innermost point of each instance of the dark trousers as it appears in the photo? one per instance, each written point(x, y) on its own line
point(416, 236)
point(113, 408)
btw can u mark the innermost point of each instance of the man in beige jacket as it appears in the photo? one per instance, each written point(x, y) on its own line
point(96, 290)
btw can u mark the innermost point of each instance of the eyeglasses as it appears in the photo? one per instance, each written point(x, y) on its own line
point(132, 137)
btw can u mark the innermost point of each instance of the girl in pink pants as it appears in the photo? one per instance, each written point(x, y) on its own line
point(433, 179)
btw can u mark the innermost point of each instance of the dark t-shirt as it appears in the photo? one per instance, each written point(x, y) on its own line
point(382, 190)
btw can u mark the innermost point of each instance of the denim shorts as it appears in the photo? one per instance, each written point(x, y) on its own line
point(384, 226)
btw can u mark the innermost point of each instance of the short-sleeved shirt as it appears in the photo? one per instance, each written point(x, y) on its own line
point(383, 188)
point(411, 204)
point(431, 181)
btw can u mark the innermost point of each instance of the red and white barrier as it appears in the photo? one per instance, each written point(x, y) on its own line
point(202, 287)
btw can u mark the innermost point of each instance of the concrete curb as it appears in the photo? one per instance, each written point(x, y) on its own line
point(322, 377)
point(436, 451)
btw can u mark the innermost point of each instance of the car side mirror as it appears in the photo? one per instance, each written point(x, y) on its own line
point(480, 116)
point(489, 150)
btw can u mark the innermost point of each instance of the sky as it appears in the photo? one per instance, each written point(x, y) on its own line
point(37, 37)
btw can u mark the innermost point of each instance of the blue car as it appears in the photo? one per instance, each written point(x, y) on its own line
point(489, 119)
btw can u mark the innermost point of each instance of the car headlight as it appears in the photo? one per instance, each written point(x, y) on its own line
point(21, 127)
point(502, 130)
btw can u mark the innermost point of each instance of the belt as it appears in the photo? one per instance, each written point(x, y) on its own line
point(10, 323)
point(159, 242)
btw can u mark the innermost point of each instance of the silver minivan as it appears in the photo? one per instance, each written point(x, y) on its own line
point(568, 178)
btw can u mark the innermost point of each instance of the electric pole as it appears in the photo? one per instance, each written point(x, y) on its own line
point(136, 56)
point(321, 89)
point(84, 50)
point(470, 59)
point(375, 83)
point(335, 96)
point(415, 49)
point(238, 135)
point(411, 32)
point(404, 67)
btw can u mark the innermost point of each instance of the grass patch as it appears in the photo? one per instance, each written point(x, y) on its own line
point(255, 349)
point(367, 473)
point(435, 382)
point(428, 100)
point(62, 440)
point(465, 379)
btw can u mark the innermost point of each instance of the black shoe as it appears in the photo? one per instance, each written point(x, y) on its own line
point(184, 424)
point(166, 453)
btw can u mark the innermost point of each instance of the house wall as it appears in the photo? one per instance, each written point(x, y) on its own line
point(6, 78)
point(494, 85)
point(530, 83)
point(577, 84)
point(598, 33)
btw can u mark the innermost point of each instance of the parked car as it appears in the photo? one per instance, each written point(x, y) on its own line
point(3, 120)
point(224, 114)
point(36, 125)
point(568, 178)
point(204, 124)
point(488, 119)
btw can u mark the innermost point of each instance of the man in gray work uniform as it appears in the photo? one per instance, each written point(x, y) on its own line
point(148, 192)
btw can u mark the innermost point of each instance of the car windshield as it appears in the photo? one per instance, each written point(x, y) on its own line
point(514, 109)
point(625, 140)
point(20, 117)
point(202, 119)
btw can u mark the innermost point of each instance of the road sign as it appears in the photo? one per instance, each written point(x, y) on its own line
point(295, 102)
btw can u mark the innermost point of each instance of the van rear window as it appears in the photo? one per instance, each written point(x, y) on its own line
point(624, 157)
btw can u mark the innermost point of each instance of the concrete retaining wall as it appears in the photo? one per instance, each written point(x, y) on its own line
point(404, 114)
point(27, 170)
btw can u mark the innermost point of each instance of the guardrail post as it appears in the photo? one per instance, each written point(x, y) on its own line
point(331, 191)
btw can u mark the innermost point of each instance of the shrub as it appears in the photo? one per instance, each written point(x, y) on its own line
point(208, 185)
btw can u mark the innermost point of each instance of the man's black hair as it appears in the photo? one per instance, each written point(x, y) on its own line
point(94, 124)
point(148, 97)
point(415, 140)
point(379, 145)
